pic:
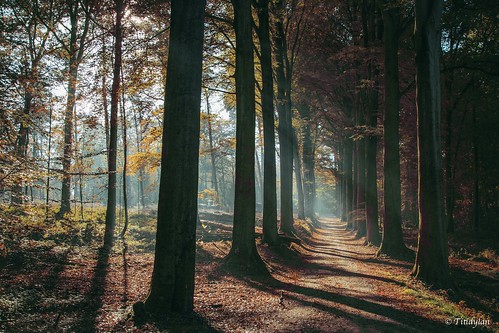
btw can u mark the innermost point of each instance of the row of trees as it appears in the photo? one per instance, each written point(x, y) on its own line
point(345, 104)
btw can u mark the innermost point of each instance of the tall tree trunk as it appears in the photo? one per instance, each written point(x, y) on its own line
point(298, 176)
point(214, 179)
point(361, 176)
point(372, 228)
point(431, 264)
point(348, 181)
point(75, 49)
point(267, 96)
point(17, 196)
point(243, 254)
point(141, 177)
point(172, 285)
point(113, 128)
point(355, 179)
point(104, 93)
point(476, 174)
point(49, 160)
point(285, 126)
point(126, 179)
point(68, 131)
point(308, 163)
point(392, 243)
point(449, 183)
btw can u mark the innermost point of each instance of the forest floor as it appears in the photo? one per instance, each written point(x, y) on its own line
point(327, 282)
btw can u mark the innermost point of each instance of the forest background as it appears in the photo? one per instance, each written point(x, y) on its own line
point(82, 104)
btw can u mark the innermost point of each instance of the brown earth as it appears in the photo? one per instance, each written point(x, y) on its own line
point(329, 282)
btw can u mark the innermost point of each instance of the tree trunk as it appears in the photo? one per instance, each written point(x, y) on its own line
point(269, 160)
point(126, 179)
point(17, 196)
point(449, 183)
point(431, 263)
point(361, 177)
point(214, 179)
point(372, 228)
point(172, 285)
point(113, 128)
point(298, 176)
point(141, 177)
point(355, 179)
point(392, 243)
point(243, 254)
point(68, 134)
point(308, 164)
point(49, 160)
point(476, 175)
point(285, 126)
point(76, 49)
point(348, 181)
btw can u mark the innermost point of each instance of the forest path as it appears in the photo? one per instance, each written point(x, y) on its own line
point(332, 284)
point(338, 285)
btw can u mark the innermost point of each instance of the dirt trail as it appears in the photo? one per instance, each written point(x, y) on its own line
point(332, 285)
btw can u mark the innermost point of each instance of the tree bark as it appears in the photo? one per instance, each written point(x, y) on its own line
point(431, 263)
point(75, 49)
point(392, 243)
point(361, 176)
point(172, 285)
point(348, 181)
point(113, 127)
point(372, 228)
point(308, 163)
point(298, 176)
point(214, 179)
point(267, 99)
point(476, 175)
point(17, 196)
point(126, 178)
point(243, 254)
point(285, 125)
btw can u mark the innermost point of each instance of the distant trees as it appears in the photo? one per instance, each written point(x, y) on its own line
point(326, 61)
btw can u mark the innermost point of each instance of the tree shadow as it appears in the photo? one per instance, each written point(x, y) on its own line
point(334, 252)
point(31, 277)
point(124, 254)
point(184, 323)
point(475, 289)
point(93, 299)
point(342, 272)
point(392, 319)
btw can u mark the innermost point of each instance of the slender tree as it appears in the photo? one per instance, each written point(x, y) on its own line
point(431, 264)
point(298, 176)
point(113, 135)
point(214, 180)
point(285, 128)
point(75, 51)
point(172, 285)
point(308, 162)
point(243, 253)
point(267, 97)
